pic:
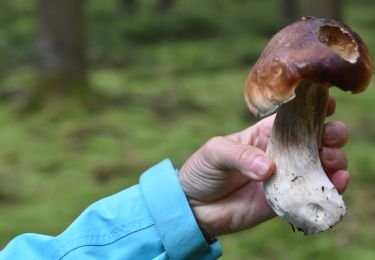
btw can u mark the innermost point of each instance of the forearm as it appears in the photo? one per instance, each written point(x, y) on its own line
point(149, 220)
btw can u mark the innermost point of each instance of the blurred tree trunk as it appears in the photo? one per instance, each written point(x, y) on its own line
point(292, 10)
point(163, 5)
point(60, 51)
point(322, 8)
point(131, 5)
point(128, 5)
point(288, 12)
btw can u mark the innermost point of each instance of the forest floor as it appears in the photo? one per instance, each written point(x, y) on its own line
point(164, 100)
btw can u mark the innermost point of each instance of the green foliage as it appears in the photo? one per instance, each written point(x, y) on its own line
point(167, 83)
point(115, 37)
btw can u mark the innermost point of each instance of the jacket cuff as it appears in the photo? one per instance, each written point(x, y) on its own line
point(173, 218)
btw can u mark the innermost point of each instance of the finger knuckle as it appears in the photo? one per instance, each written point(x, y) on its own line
point(216, 141)
point(342, 127)
point(342, 159)
point(245, 154)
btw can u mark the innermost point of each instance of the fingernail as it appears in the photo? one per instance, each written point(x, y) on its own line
point(329, 154)
point(260, 165)
point(331, 132)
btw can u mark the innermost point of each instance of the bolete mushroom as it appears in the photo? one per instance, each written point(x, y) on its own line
point(292, 76)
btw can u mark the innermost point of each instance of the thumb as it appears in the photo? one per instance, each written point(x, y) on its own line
point(248, 160)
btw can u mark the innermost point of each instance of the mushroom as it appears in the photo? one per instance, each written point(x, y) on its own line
point(292, 76)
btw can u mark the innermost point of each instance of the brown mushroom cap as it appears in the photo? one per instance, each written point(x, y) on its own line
point(322, 51)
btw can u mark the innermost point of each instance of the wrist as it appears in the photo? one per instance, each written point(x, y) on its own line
point(209, 216)
point(202, 221)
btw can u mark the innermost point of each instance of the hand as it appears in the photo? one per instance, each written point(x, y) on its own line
point(223, 179)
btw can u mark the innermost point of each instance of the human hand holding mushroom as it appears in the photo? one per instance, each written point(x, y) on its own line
point(292, 76)
point(223, 180)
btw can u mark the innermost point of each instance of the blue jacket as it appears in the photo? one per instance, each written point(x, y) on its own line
point(151, 220)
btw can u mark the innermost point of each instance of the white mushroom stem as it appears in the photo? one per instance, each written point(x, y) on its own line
point(300, 190)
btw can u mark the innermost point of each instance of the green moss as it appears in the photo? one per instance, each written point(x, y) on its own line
point(165, 100)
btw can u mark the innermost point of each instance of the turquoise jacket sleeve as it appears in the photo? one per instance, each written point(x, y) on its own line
point(151, 220)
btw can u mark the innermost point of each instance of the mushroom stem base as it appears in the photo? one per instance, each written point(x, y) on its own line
point(300, 190)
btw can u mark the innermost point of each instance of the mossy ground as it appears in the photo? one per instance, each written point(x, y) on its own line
point(159, 99)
